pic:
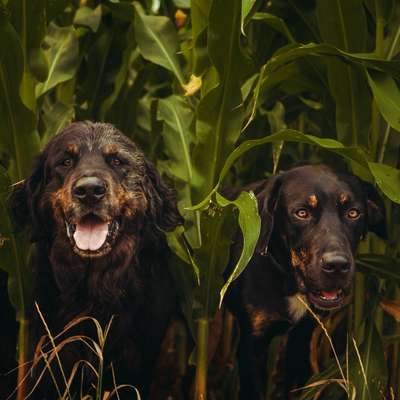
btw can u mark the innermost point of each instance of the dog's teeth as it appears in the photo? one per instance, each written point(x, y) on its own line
point(68, 230)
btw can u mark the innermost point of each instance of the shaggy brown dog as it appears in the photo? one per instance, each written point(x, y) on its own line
point(312, 221)
point(98, 211)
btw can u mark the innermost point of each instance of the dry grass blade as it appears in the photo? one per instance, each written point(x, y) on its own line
point(52, 354)
point(315, 316)
point(75, 369)
point(361, 364)
point(53, 344)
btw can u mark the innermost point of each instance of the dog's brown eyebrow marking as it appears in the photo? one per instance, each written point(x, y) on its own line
point(312, 201)
point(110, 149)
point(72, 149)
point(344, 198)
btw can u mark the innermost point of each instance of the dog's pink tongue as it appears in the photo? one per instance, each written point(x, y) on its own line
point(90, 234)
point(330, 295)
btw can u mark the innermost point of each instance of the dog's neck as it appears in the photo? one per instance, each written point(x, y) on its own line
point(96, 286)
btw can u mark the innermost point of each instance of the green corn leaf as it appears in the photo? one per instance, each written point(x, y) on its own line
point(387, 178)
point(342, 23)
point(88, 17)
point(247, 5)
point(17, 129)
point(220, 112)
point(275, 23)
point(199, 13)
point(158, 41)
point(294, 52)
point(379, 265)
point(387, 97)
point(250, 225)
point(178, 135)
point(61, 49)
point(56, 117)
point(178, 138)
point(13, 252)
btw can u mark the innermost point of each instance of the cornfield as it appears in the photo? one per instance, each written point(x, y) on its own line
point(217, 93)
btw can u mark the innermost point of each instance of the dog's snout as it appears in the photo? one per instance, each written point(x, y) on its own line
point(89, 189)
point(335, 263)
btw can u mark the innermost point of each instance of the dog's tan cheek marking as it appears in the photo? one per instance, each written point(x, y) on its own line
point(60, 203)
point(312, 201)
point(343, 198)
point(131, 203)
point(299, 259)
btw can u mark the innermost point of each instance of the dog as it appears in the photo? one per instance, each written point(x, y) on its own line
point(98, 212)
point(312, 219)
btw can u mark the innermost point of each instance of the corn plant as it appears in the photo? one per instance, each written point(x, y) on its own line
point(220, 93)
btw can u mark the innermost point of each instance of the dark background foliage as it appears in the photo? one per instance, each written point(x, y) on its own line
point(219, 91)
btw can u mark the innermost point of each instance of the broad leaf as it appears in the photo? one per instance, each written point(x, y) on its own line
point(178, 139)
point(387, 97)
point(122, 74)
point(217, 227)
point(200, 10)
point(387, 178)
point(247, 5)
point(13, 255)
point(18, 137)
point(56, 117)
point(275, 23)
point(291, 53)
point(250, 225)
point(380, 266)
point(88, 17)
point(61, 49)
point(178, 136)
point(157, 40)
point(346, 82)
point(220, 112)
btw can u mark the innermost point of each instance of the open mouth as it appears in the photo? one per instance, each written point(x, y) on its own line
point(321, 299)
point(91, 236)
point(326, 300)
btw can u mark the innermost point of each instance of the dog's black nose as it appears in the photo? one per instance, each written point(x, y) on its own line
point(335, 263)
point(89, 189)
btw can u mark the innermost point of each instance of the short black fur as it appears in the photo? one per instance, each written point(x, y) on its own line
point(312, 219)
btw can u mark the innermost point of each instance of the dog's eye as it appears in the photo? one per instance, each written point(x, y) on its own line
point(115, 161)
point(67, 162)
point(353, 213)
point(302, 213)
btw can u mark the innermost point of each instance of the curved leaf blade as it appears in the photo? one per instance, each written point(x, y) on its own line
point(387, 178)
point(62, 53)
point(387, 96)
point(250, 225)
point(157, 40)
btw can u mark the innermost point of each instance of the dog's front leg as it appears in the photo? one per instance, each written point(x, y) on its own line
point(252, 365)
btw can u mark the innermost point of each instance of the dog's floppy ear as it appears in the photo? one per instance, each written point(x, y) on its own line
point(24, 200)
point(267, 203)
point(162, 201)
point(376, 211)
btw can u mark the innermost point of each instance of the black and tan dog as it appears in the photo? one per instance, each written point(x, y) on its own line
point(98, 209)
point(312, 221)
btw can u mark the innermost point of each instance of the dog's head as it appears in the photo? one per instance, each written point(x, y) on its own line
point(93, 188)
point(316, 218)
